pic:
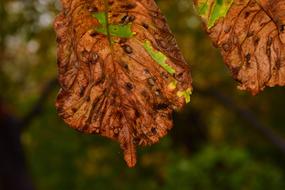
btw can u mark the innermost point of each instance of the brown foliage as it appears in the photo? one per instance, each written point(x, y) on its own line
point(252, 41)
point(111, 85)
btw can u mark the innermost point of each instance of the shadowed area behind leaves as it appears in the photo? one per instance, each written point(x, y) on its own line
point(224, 139)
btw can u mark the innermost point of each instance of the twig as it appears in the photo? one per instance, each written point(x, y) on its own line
point(247, 116)
point(38, 106)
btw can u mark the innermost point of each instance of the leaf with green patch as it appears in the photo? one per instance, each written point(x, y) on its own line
point(251, 37)
point(120, 70)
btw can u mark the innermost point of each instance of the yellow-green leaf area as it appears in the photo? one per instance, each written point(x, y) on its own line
point(213, 10)
point(123, 31)
point(186, 94)
point(158, 57)
point(172, 85)
point(202, 7)
point(115, 30)
point(101, 17)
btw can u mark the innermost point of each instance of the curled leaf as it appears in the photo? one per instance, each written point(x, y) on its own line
point(251, 37)
point(120, 70)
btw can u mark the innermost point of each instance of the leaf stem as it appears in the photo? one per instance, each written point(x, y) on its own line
point(107, 21)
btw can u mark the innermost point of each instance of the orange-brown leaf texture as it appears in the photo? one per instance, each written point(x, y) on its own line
point(252, 41)
point(120, 70)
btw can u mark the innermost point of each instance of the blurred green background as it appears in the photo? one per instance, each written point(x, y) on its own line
point(225, 139)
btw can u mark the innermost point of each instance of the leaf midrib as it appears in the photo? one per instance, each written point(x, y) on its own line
point(106, 11)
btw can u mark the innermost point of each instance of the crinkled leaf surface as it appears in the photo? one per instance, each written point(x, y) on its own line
point(251, 36)
point(120, 70)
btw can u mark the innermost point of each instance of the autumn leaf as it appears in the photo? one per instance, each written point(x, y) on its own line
point(251, 37)
point(120, 70)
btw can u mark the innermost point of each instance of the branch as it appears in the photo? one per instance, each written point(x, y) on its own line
point(13, 158)
point(38, 106)
point(247, 116)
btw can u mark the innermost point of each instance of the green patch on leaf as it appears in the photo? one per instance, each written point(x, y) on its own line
point(186, 94)
point(158, 56)
point(115, 30)
point(123, 31)
point(213, 10)
point(202, 8)
point(101, 17)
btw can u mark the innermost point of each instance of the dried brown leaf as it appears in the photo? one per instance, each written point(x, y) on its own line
point(121, 77)
point(251, 36)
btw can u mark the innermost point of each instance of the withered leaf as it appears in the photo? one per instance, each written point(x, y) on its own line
point(120, 70)
point(251, 37)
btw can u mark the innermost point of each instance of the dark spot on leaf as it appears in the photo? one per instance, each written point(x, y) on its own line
point(282, 28)
point(153, 130)
point(129, 86)
point(116, 131)
point(87, 98)
point(146, 71)
point(81, 91)
point(136, 141)
point(226, 47)
point(114, 94)
point(132, 18)
point(227, 29)
point(126, 66)
point(235, 71)
point(97, 130)
point(137, 113)
point(144, 93)
point(84, 56)
point(119, 115)
point(162, 43)
point(179, 75)
point(268, 51)
point(127, 19)
point(161, 106)
point(93, 58)
point(58, 39)
point(157, 92)
point(164, 75)
point(256, 40)
point(145, 25)
point(151, 81)
point(269, 41)
point(129, 6)
point(128, 49)
point(92, 9)
point(246, 14)
point(278, 64)
point(123, 40)
point(93, 33)
point(111, 2)
point(247, 57)
point(250, 33)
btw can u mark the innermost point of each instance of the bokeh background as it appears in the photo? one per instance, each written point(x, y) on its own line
point(225, 139)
